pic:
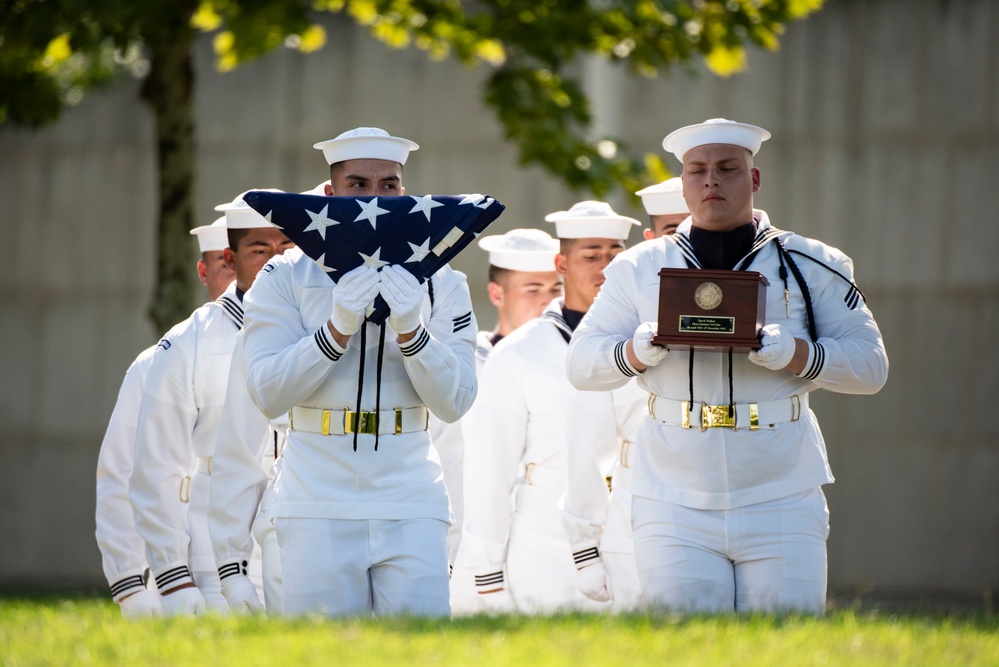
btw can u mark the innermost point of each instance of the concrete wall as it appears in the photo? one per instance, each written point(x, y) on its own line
point(886, 143)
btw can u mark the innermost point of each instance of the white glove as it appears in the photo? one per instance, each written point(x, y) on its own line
point(778, 348)
point(241, 594)
point(144, 604)
point(404, 296)
point(497, 602)
point(645, 351)
point(183, 602)
point(351, 297)
point(594, 583)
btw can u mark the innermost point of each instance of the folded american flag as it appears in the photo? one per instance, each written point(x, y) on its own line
point(421, 233)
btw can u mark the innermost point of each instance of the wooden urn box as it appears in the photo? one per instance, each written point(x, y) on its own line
point(711, 310)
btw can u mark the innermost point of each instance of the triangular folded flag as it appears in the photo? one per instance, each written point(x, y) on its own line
point(421, 233)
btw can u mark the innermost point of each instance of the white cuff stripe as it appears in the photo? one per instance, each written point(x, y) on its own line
point(173, 576)
point(621, 360)
point(418, 343)
point(584, 556)
point(816, 361)
point(326, 345)
point(126, 584)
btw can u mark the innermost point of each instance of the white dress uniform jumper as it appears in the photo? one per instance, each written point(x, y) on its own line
point(601, 428)
point(765, 457)
point(360, 503)
point(123, 552)
point(178, 420)
point(513, 535)
point(244, 465)
point(465, 600)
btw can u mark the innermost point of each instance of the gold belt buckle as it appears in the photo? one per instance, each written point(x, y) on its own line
point(527, 473)
point(714, 416)
point(360, 422)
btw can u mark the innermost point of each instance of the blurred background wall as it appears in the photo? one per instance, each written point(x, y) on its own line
point(885, 122)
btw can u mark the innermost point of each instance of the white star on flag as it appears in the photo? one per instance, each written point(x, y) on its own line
point(470, 199)
point(373, 260)
point(320, 221)
point(419, 251)
point(268, 219)
point(370, 212)
point(322, 264)
point(424, 204)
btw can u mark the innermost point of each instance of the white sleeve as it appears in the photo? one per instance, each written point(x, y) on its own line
point(285, 362)
point(495, 433)
point(591, 435)
point(440, 359)
point(122, 549)
point(849, 356)
point(163, 455)
point(596, 359)
point(238, 479)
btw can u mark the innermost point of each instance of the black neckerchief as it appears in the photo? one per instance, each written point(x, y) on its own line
point(721, 251)
point(239, 294)
point(572, 317)
point(495, 337)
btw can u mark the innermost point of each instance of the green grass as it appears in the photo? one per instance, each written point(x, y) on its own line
point(90, 631)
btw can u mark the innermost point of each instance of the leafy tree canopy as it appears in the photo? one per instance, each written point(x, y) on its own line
point(52, 51)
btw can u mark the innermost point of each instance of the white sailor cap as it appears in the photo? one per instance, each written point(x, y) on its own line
point(715, 131)
point(212, 237)
point(366, 143)
point(521, 250)
point(591, 219)
point(664, 198)
point(239, 214)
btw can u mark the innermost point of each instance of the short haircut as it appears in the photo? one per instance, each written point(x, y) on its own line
point(565, 245)
point(234, 237)
point(335, 168)
point(497, 274)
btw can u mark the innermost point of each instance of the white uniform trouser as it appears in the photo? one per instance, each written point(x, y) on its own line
point(341, 567)
point(265, 536)
point(765, 557)
point(625, 585)
point(540, 570)
point(617, 546)
point(202, 558)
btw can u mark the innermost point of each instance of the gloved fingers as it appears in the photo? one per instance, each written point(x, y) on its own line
point(359, 282)
point(645, 351)
point(399, 286)
point(144, 604)
point(185, 601)
point(594, 582)
point(358, 273)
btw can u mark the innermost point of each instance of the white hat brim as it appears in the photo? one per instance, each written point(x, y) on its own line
point(679, 142)
point(392, 149)
point(618, 227)
point(533, 262)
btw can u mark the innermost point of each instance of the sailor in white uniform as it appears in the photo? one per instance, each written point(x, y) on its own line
point(522, 282)
point(244, 465)
point(178, 422)
point(728, 511)
point(666, 207)
point(598, 523)
point(360, 505)
point(517, 465)
point(122, 549)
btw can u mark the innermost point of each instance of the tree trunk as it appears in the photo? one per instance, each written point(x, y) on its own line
point(169, 90)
